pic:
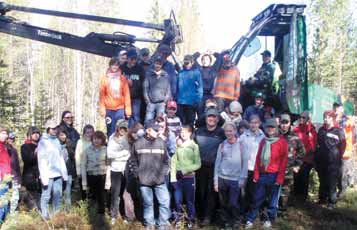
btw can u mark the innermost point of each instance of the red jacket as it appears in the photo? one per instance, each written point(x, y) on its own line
point(278, 160)
point(5, 162)
point(308, 135)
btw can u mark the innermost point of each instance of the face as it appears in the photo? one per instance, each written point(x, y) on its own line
point(259, 101)
point(328, 120)
point(35, 137)
point(285, 126)
point(339, 110)
point(211, 120)
point(53, 131)
point(88, 134)
point(302, 120)
point(205, 60)
point(266, 59)
point(157, 66)
point(270, 131)
point(114, 68)
point(132, 61)
point(230, 132)
point(188, 65)
point(152, 133)
point(171, 112)
point(122, 131)
point(145, 57)
point(62, 137)
point(185, 134)
point(227, 58)
point(122, 59)
point(235, 114)
point(3, 136)
point(68, 118)
point(162, 127)
point(254, 124)
point(97, 142)
point(165, 55)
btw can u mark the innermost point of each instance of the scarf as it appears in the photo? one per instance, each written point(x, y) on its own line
point(114, 83)
point(266, 151)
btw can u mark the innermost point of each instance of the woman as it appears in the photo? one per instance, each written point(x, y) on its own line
point(31, 174)
point(68, 156)
point(94, 168)
point(82, 145)
point(114, 96)
point(118, 153)
point(230, 175)
point(67, 125)
point(269, 173)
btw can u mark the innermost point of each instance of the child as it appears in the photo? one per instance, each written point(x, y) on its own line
point(184, 163)
point(173, 121)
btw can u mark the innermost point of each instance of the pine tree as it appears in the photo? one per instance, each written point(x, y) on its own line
point(43, 110)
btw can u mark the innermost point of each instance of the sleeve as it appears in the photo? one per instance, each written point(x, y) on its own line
point(84, 169)
point(244, 170)
point(127, 101)
point(134, 160)
point(173, 168)
point(199, 86)
point(102, 94)
point(217, 165)
point(28, 157)
point(168, 95)
point(146, 89)
point(77, 157)
point(43, 163)
point(196, 164)
point(283, 163)
point(115, 151)
point(171, 143)
point(256, 174)
point(15, 166)
point(64, 172)
point(300, 152)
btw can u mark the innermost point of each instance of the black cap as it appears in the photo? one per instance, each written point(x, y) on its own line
point(144, 52)
point(158, 59)
point(188, 58)
point(132, 53)
point(152, 125)
point(211, 112)
point(266, 53)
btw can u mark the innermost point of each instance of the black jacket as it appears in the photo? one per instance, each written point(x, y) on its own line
point(208, 143)
point(31, 174)
point(73, 134)
point(137, 75)
point(150, 161)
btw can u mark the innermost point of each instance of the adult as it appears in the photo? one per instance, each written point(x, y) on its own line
point(257, 108)
point(52, 167)
point(227, 84)
point(189, 91)
point(114, 96)
point(331, 147)
point(208, 138)
point(347, 168)
point(31, 173)
point(66, 124)
point(135, 75)
point(230, 175)
point(165, 51)
point(250, 141)
point(269, 173)
point(307, 133)
point(266, 71)
point(156, 90)
point(150, 161)
point(118, 153)
point(296, 154)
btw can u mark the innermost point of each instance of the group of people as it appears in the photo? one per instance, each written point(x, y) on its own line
point(180, 148)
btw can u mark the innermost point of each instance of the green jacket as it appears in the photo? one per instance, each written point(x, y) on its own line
point(186, 159)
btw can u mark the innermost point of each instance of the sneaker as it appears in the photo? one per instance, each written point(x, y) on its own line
point(190, 226)
point(248, 225)
point(267, 224)
point(112, 221)
point(331, 206)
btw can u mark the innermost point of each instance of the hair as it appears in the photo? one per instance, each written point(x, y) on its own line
point(211, 100)
point(254, 116)
point(188, 127)
point(62, 130)
point(31, 130)
point(4, 129)
point(134, 129)
point(114, 61)
point(100, 135)
point(86, 127)
point(229, 123)
point(162, 119)
point(207, 55)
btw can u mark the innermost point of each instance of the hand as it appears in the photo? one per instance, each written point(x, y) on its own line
point(241, 183)
point(130, 83)
point(215, 187)
point(174, 185)
point(254, 181)
point(179, 175)
point(102, 112)
point(296, 169)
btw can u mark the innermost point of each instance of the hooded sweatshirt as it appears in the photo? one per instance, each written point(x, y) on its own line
point(50, 159)
point(5, 168)
point(118, 153)
point(157, 87)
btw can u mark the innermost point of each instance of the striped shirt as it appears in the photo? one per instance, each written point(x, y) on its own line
point(227, 84)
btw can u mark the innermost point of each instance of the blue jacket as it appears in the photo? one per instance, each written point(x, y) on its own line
point(189, 87)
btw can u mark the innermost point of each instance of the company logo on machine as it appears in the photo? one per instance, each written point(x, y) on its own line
point(48, 34)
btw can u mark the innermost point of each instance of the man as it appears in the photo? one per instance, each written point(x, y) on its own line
point(296, 154)
point(189, 91)
point(135, 75)
point(346, 176)
point(331, 147)
point(52, 167)
point(150, 163)
point(257, 108)
point(165, 51)
point(266, 71)
point(157, 90)
point(227, 85)
point(208, 138)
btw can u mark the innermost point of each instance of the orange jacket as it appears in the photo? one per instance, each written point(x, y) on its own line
point(108, 99)
point(227, 84)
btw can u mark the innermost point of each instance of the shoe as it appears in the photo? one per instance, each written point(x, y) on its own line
point(248, 225)
point(112, 221)
point(331, 206)
point(190, 226)
point(267, 224)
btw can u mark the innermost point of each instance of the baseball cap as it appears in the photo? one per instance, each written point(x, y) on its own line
point(152, 125)
point(158, 59)
point(171, 104)
point(266, 53)
point(132, 53)
point(260, 94)
point(285, 117)
point(122, 123)
point(271, 123)
point(51, 124)
point(211, 112)
point(188, 58)
point(164, 49)
point(144, 52)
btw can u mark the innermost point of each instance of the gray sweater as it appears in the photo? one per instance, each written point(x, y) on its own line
point(157, 87)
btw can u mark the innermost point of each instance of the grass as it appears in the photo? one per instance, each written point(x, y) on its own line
point(300, 217)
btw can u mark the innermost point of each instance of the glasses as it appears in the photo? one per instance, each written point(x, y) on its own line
point(69, 117)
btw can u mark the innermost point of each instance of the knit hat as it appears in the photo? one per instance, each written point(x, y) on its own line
point(122, 123)
point(235, 107)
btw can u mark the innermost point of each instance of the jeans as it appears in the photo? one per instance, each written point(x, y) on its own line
point(116, 180)
point(228, 192)
point(97, 192)
point(187, 114)
point(265, 188)
point(185, 189)
point(54, 187)
point(153, 110)
point(67, 192)
point(136, 112)
point(163, 197)
point(111, 118)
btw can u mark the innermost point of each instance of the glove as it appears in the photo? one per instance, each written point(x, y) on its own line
point(174, 185)
point(179, 175)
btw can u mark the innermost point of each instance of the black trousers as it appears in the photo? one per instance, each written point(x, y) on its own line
point(96, 186)
point(116, 184)
point(187, 114)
